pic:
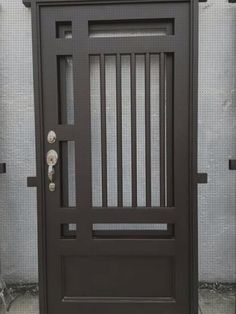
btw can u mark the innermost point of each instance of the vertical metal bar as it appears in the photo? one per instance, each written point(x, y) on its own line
point(147, 130)
point(81, 78)
point(169, 130)
point(133, 130)
point(162, 129)
point(103, 131)
point(119, 131)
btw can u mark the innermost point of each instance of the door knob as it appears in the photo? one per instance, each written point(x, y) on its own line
point(52, 158)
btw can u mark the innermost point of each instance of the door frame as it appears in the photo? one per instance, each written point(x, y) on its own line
point(40, 151)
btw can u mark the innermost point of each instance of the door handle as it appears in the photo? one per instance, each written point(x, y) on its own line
point(52, 158)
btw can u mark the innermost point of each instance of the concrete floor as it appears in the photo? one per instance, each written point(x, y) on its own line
point(214, 302)
point(210, 302)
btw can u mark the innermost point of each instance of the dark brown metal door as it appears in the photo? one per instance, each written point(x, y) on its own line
point(116, 220)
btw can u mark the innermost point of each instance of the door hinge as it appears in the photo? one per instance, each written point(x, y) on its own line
point(32, 182)
point(232, 164)
point(202, 178)
point(3, 168)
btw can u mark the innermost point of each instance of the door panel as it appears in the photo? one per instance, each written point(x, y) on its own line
point(116, 90)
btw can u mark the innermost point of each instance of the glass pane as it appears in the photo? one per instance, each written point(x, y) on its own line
point(68, 185)
point(126, 129)
point(68, 34)
point(140, 128)
point(130, 226)
point(110, 82)
point(66, 90)
point(131, 29)
point(132, 230)
point(155, 128)
point(95, 103)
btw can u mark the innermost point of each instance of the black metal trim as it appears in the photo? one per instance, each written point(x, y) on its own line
point(28, 3)
point(193, 138)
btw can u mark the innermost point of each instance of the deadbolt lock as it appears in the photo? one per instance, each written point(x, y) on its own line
point(51, 137)
point(52, 158)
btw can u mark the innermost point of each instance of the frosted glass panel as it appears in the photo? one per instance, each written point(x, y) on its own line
point(130, 29)
point(69, 91)
point(131, 230)
point(135, 227)
point(71, 174)
point(126, 129)
point(155, 128)
point(140, 129)
point(110, 79)
point(66, 90)
point(95, 103)
point(68, 179)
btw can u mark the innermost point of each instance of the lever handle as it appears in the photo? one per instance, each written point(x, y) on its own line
point(51, 172)
point(52, 158)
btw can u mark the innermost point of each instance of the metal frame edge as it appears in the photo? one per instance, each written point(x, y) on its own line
point(39, 157)
point(193, 156)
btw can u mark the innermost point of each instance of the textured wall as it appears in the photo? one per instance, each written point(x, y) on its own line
point(217, 138)
point(18, 242)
